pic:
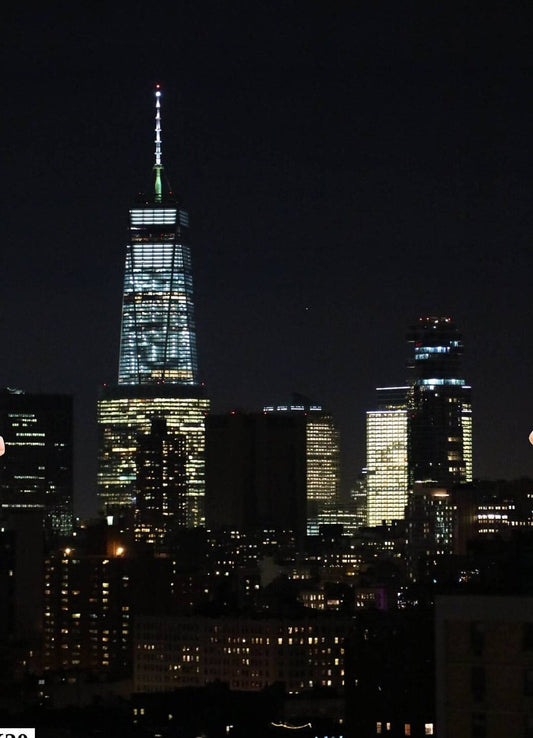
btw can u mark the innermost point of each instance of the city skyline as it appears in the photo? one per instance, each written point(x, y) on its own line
point(346, 170)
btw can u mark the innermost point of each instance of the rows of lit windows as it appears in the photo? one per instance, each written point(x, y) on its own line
point(439, 381)
point(323, 466)
point(122, 421)
point(387, 467)
point(163, 648)
point(431, 350)
point(151, 216)
point(158, 340)
point(158, 337)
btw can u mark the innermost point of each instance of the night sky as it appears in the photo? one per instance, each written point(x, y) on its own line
point(347, 167)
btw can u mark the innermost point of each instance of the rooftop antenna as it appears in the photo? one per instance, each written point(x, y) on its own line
point(158, 166)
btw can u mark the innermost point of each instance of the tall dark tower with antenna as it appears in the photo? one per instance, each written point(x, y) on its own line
point(158, 366)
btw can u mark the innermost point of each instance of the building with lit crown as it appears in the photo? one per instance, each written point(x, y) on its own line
point(158, 367)
point(440, 407)
point(420, 434)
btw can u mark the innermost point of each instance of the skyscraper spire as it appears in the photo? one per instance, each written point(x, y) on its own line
point(158, 337)
point(158, 367)
point(158, 166)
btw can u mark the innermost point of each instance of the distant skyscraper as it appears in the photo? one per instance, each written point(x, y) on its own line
point(387, 480)
point(256, 472)
point(275, 469)
point(420, 433)
point(158, 337)
point(158, 367)
point(322, 460)
point(440, 406)
point(36, 470)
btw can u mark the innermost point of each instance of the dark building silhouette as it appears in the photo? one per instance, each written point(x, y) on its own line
point(36, 470)
point(256, 471)
point(21, 575)
point(484, 656)
point(389, 672)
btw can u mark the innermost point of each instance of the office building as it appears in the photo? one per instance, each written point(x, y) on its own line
point(322, 457)
point(440, 410)
point(36, 470)
point(161, 484)
point(387, 479)
point(158, 367)
point(276, 469)
point(430, 521)
point(421, 433)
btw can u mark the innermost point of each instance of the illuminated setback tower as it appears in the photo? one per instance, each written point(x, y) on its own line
point(158, 338)
point(439, 404)
point(158, 366)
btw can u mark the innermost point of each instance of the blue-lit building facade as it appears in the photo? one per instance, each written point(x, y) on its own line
point(158, 338)
point(158, 366)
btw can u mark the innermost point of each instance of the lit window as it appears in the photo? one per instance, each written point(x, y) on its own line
point(428, 729)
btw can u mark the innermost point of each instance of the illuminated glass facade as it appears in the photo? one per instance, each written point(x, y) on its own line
point(124, 415)
point(440, 405)
point(158, 339)
point(323, 468)
point(387, 477)
point(158, 367)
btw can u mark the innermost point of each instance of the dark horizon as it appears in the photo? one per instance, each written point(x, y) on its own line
point(345, 169)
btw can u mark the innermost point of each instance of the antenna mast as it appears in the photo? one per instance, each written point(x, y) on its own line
point(158, 166)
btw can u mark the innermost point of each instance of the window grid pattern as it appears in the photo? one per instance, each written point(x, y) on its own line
point(323, 467)
point(387, 467)
point(121, 421)
point(158, 336)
